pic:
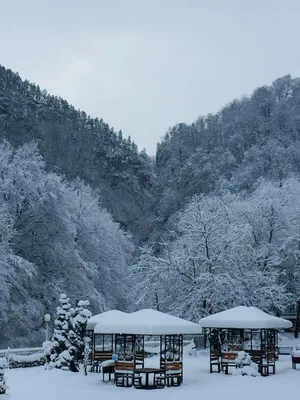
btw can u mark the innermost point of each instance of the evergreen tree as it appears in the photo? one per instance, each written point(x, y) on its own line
point(60, 357)
point(3, 385)
point(77, 334)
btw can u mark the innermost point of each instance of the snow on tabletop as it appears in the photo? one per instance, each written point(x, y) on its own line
point(244, 317)
point(147, 322)
point(296, 351)
point(40, 384)
point(107, 363)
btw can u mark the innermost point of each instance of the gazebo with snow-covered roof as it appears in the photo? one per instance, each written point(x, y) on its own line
point(103, 341)
point(129, 331)
point(243, 328)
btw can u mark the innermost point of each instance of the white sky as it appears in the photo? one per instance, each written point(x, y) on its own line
point(145, 65)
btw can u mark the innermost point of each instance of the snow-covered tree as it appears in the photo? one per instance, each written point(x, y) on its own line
point(54, 236)
point(60, 357)
point(77, 334)
point(3, 384)
point(213, 262)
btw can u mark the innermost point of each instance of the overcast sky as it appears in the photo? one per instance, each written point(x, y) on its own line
point(145, 65)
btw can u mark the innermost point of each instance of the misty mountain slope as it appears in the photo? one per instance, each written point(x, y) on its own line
point(252, 138)
point(219, 206)
point(76, 145)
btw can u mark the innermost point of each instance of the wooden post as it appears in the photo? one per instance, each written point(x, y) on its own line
point(297, 320)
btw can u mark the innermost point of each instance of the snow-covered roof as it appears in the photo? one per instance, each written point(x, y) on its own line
point(106, 317)
point(147, 322)
point(152, 322)
point(244, 318)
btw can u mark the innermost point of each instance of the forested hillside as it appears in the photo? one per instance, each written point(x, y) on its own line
point(216, 213)
point(227, 210)
point(54, 237)
point(75, 144)
point(230, 151)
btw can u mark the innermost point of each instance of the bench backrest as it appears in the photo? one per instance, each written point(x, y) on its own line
point(271, 356)
point(139, 360)
point(236, 347)
point(229, 356)
point(256, 355)
point(102, 355)
point(170, 365)
point(173, 366)
point(123, 366)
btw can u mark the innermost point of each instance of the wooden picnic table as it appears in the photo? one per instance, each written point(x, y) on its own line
point(147, 372)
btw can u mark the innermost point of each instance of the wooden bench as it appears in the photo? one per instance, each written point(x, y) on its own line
point(265, 362)
point(256, 356)
point(228, 360)
point(124, 373)
point(98, 357)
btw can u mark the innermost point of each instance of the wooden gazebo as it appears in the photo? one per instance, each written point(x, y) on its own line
point(126, 334)
point(243, 329)
point(105, 344)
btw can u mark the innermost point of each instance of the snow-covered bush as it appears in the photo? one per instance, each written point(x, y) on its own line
point(247, 370)
point(246, 365)
point(243, 358)
point(23, 361)
point(3, 385)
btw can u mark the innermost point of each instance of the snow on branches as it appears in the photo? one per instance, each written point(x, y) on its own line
point(68, 341)
point(225, 252)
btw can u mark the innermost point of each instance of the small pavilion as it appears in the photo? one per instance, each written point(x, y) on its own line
point(121, 336)
point(103, 343)
point(243, 329)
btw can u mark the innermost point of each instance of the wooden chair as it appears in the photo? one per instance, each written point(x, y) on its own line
point(257, 356)
point(271, 358)
point(295, 361)
point(173, 373)
point(228, 360)
point(98, 357)
point(139, 361)
point(124, 373)
point(215, 361)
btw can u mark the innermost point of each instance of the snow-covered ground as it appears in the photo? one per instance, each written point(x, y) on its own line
point(287, 339)
point(40, 384)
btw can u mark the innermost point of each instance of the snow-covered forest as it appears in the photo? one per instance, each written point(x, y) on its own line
point(54, 235)
point(211, 222)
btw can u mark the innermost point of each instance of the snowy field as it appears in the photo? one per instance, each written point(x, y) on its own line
point(40, 384)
